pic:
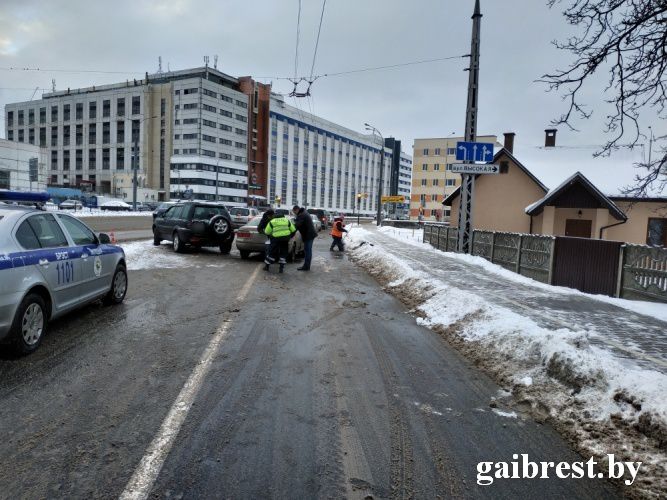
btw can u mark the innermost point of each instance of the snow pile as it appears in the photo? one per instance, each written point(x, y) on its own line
point(415, 238)
point(602, 405)
point(143, 255)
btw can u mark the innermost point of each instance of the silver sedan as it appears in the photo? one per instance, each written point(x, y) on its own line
point(249, 240)
point(51, 264)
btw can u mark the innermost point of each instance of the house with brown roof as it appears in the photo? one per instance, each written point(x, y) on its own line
point(516, 201)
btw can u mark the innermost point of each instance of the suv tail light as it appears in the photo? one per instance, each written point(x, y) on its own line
point(243, 235)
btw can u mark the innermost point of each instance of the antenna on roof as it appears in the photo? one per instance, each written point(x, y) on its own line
point(159, 64)
point(215, 61)
point(206, 61)
point(53, 85)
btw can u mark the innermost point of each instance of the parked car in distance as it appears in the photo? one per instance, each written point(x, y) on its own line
point(71, 205)
point(162, 208)
point(241, 215)
point(323, 216)
point(116, 206)
point(316, 222)
point(282, 211)
point(52, 263)
point(195, 223)
point(249, 240)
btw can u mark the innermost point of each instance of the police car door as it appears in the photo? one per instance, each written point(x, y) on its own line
point(96, 268)
point(57, 261)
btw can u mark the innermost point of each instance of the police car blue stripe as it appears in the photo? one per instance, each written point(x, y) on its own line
point(32, 257)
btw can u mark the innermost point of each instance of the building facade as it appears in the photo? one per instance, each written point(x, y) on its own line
point(432, 179)
point(15, 166)
point(318, 164)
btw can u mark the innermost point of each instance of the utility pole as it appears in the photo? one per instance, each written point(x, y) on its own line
point(470, 133)
point(379, 200)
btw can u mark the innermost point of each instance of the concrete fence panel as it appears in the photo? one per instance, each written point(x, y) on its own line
point(643, 273)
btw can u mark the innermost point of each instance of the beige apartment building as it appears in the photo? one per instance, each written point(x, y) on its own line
point(432, 179)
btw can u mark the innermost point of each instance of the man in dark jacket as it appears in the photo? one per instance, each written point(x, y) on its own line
point(266, 218)
point(304, 224)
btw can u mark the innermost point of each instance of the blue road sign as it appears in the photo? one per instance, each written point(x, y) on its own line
point(474, 151)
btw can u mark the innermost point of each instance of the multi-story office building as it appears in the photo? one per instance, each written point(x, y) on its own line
point(16, 162)
point(193, 123)
point(400, 178)
point(318, 164)
point(432, 179)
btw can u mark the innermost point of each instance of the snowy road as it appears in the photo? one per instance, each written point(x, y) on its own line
point(319, 385)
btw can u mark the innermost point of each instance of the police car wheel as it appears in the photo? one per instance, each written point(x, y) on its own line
point(118, 290)
point(29, 324)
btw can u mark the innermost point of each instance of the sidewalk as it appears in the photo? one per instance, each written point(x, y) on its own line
point(630, 335)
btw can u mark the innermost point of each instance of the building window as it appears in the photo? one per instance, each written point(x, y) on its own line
point(42, 136)
point(66, 135)
point(66, 113)
point(226, 128)
point(136, 125)
point(79, 159)
point(450, 182)
point(424, 167)
point(79, 135)
point(31, 136)
point(657, 232)
point(54, 180)
point(425, 152)
point(189, 121)
point(92, 110)
point(189, 137)
point(120, 159)
point(209, 123)
point(436, 182)
point(242, 118)
point(54, 136)
point(437, 151)
point(241, 145)
point(190, 105)
point(106, 164)
point(136, 105)
point(4, 179)
point(10, 135)
point(31, 117)
point(206, 107)
point(79, 111)
point(42, 115)
point(434, 197)
point(451, 151)
point(424, 182)
point(120, 106)
point(448, 167)
point(241, 131)
point(21, 117)
point(226, 99)
point(66, 159)
point(106, 108)
point(206, 152)
point(163, 106)
point(210, 93)
point(436, 166)
point(226, 142)
point(120, 132)
point(10, 118)
point(208, 138)
point(106, 133)
point(226, 113)
point(92, 134)
point(21, 135)
point(54, 160)
point(92, 159)
point(191, 91)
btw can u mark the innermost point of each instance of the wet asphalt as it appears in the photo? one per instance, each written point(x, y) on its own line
point(325, 387)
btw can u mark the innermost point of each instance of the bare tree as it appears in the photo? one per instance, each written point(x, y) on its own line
point(627, 38)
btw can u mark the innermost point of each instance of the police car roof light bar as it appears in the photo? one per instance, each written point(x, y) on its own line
point(25, 196)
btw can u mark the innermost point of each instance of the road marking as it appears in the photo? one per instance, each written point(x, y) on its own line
point(609, 342)
point(146, 473)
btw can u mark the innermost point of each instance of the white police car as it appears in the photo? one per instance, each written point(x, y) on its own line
point(50, 264)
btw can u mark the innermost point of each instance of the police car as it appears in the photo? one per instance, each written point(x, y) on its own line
point(50, 264)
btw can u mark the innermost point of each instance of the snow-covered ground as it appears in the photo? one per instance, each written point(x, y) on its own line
point(96, 212)
point(143, 255)
point(416, 236)
point(603, 402)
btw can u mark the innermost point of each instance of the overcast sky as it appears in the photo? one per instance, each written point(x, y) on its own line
point(257, 37)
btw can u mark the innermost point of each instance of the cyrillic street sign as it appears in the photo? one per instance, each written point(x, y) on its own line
point(393, 199)
point(474, 151)
point(254, 186)
point(471, 168)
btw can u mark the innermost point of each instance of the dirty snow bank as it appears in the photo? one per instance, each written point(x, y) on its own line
point(415, 238)
point(143, 255)
point(600, 404)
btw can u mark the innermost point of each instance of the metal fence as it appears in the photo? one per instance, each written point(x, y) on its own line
point(643, 273)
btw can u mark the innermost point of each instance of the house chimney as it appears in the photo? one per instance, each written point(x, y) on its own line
point(509, 141)
point(550, 138)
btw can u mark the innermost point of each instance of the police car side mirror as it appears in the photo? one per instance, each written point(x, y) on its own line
point(104, 239)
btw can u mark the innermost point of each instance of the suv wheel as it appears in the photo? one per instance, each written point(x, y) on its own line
point(220, 226)
point(29, 324)
point(179, 246)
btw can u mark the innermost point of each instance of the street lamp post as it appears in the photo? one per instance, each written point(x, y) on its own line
point(377, 132)
point(135, 163)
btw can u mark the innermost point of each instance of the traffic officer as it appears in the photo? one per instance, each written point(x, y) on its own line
point(279, 230)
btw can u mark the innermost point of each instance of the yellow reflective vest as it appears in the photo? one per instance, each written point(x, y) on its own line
point(279, 227)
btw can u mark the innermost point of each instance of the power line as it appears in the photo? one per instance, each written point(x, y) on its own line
point(317, 42)
point(12, 68)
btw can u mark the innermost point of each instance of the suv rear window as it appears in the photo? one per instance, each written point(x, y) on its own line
point(205, 213)
point(239, 211)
